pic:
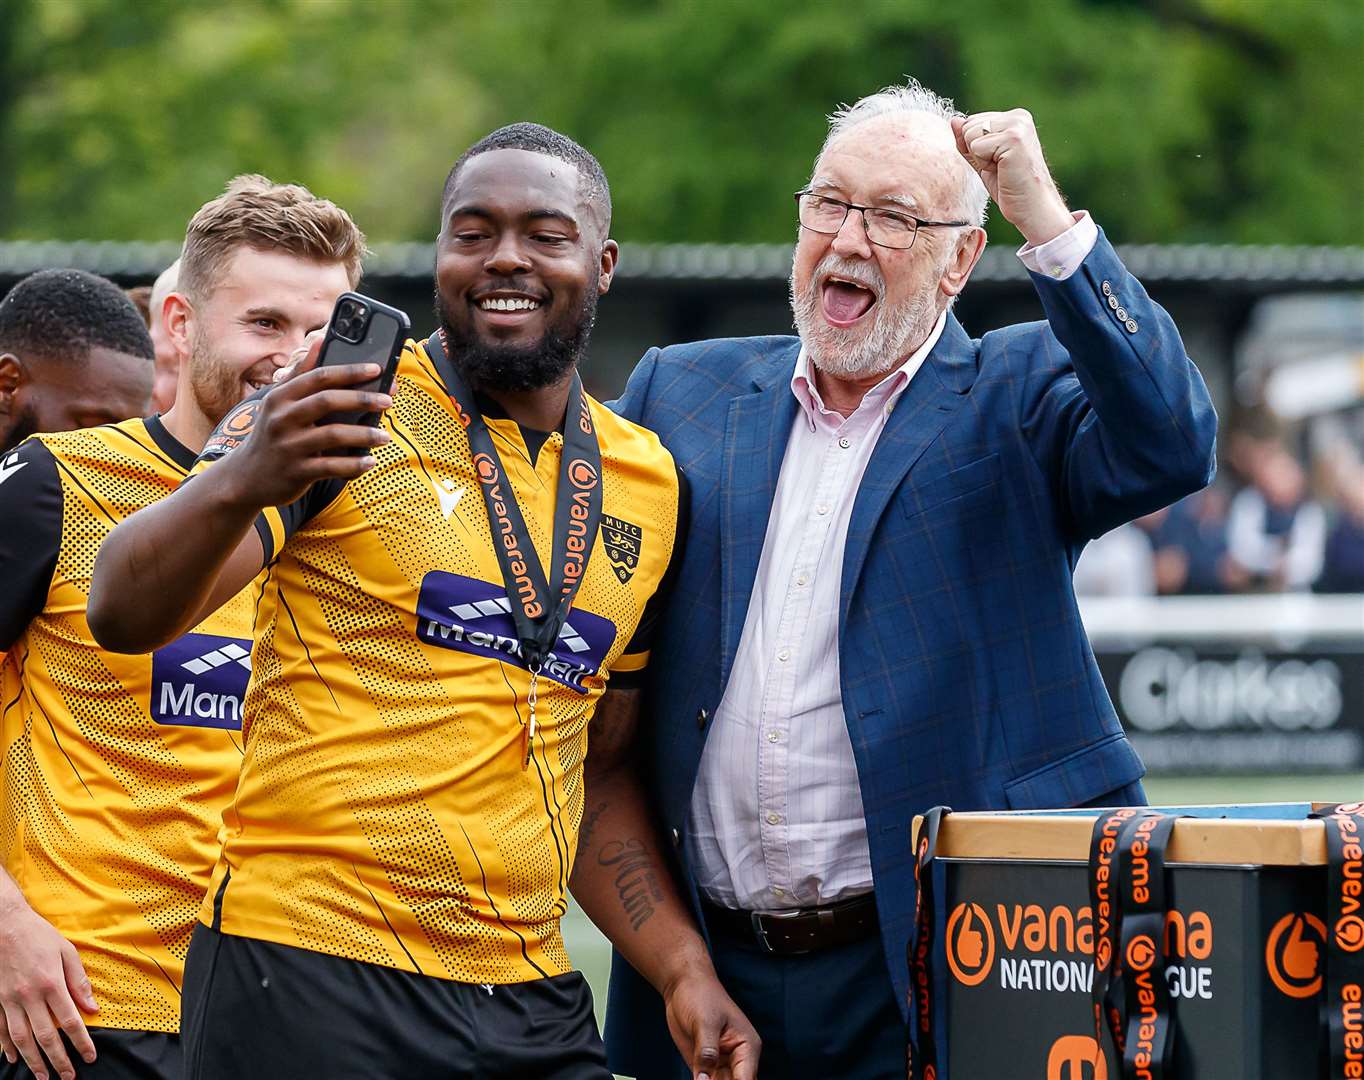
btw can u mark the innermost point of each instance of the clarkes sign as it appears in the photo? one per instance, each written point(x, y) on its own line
point(1236, 684)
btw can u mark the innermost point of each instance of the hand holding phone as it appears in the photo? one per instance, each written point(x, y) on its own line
point(364, 331)
point(322, 421)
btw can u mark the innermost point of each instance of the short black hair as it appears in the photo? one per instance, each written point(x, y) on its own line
point(61, 315)
point(542, 140)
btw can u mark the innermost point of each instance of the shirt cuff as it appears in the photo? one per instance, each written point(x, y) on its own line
point(1061, 256)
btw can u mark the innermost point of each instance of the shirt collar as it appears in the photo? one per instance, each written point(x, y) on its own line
point(883, 394)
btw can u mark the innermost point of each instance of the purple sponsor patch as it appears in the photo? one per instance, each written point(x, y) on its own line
point(199, 680)
point(474, 616)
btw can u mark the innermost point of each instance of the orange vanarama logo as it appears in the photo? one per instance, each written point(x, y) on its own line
point(487, 471)
point(970, 944)
point(1076, 1057)
point(1350, 933)
point(241, 420)
point(1349, 929)
point(582, 475)
point(234, 429)
point(1141, 953)
point(1293, 954)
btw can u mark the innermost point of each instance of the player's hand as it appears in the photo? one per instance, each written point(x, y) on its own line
point(43, 990)
point(287, 450)
point(712, 1034)
point(1004, 149)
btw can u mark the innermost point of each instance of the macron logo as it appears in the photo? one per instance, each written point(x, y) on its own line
point(468, 613)
point(10, 466)
point(217, 658)
point(449, 496)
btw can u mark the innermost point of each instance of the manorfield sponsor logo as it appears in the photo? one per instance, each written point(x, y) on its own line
point(199, 680)
point(1050, 950)
point(474, 616)
point(1293, 954)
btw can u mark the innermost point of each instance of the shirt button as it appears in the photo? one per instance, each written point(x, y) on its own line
point(784, 655)
point(778, 890)
point(774, 819)
point(845, 442)
point(773, 736)
point(1056, 271)
point(822, 509)
point(801, 579)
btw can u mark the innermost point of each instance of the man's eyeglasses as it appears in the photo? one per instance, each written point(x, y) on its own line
point(885, 228)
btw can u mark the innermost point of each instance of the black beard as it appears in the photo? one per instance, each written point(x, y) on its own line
point(519, 368)
point(25, 424)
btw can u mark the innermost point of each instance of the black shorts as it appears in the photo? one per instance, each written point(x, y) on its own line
point(119, 1055)
point(254, 1010)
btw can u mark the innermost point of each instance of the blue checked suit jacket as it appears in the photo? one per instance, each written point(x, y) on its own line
point(967, 678)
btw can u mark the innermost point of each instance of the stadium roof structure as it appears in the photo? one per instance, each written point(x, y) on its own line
point(1259, 265)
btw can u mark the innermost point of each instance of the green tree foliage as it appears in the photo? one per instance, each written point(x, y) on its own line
point(1173, 120)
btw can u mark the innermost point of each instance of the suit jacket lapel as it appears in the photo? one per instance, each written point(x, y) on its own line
point(933, 395)
point(757, 429)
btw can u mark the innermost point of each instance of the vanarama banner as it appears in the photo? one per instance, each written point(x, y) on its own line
point(1219, 978)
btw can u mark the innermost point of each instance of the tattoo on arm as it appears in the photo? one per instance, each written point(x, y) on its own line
point(636, 878)
point(590, 820)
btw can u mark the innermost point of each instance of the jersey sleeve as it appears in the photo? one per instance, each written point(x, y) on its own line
point(31, 508)
point(627, 673)
point(274, 524)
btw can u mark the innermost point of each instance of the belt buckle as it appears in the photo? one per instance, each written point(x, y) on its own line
point(756, 918)
point(759, 931)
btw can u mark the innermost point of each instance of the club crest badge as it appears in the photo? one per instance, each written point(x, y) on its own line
point(623, 542)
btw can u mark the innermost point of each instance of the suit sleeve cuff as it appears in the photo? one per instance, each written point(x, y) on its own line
point(1061, 256)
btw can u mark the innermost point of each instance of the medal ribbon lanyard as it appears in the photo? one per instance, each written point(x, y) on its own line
point(539, 603)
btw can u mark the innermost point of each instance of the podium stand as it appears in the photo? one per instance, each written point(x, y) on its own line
point(1245, 945)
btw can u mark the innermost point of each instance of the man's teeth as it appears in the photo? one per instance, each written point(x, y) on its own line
point(498, 303)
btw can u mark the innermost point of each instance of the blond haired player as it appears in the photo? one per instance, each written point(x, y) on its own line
point(116, 768)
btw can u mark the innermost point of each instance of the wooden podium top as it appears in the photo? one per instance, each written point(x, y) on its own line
point(1066, 837)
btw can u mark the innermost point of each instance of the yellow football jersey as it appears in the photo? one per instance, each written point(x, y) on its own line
point(116, 768)
point(383, 812)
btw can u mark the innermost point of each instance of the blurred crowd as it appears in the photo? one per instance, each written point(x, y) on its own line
point(1277, 519)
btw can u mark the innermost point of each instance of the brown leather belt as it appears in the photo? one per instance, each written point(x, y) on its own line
point(789, 933)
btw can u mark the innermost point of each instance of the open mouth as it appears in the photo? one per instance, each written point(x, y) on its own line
point(844, 301)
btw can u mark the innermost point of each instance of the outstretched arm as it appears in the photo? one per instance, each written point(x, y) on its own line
point(1117, 416)
point(168, 566)
point(622, 881)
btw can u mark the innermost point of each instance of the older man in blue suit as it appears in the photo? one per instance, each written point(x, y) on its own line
point(874, 614)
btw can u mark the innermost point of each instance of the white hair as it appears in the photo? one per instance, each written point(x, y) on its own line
point(913, 97)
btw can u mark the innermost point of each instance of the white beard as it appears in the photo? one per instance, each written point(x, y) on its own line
point(855, 352)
